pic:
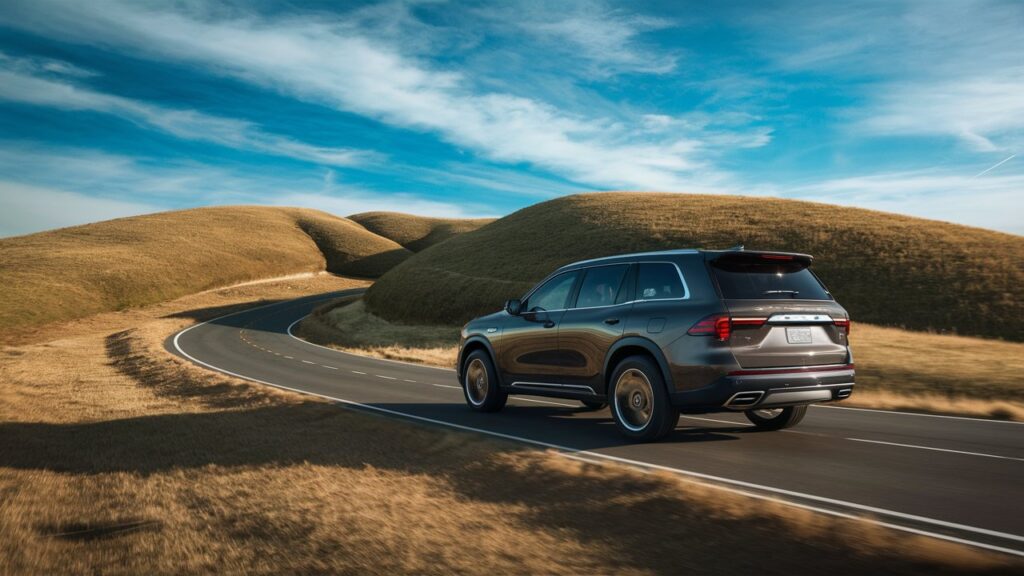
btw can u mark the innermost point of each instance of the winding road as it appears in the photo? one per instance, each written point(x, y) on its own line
point(958, 479)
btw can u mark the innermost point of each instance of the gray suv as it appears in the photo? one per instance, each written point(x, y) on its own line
point(657, 334)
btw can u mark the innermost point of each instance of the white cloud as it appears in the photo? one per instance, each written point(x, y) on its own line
point(329, 63)
point(17, 86)
point(985, 114)
point(917, 68)
point(591, 30)
point(991, 201)
point(29, 209)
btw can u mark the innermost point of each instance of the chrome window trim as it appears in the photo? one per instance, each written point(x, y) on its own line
point(637, 254)
point(686, 287)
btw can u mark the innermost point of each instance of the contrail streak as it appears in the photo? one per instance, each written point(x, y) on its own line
point(994, 166)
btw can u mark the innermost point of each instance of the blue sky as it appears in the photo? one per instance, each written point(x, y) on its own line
point(111, 108)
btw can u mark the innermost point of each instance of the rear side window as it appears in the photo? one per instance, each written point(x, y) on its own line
point(600, 286)
point(749, 279)
point(553, 294)
point(659, 281)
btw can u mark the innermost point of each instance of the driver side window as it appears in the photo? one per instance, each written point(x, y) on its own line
point(553, 294)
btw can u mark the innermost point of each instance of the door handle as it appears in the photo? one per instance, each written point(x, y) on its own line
point(549, 324)
point(611, 321)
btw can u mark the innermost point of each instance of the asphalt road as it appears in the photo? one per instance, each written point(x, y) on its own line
point(958, 479)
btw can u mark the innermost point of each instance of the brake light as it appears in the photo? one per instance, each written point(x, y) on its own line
point(776, 257)
point(843, 323)
point(717, 325)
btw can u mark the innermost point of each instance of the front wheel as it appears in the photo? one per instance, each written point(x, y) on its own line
point(480, 384)
point(776, 418)
point(640, 404)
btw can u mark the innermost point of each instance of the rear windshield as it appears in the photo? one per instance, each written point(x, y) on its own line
point(749, 279)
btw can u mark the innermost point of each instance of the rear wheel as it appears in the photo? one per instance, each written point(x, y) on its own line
point(776, 418)
point(640, 404)
point(480, 384)
point(593, 404)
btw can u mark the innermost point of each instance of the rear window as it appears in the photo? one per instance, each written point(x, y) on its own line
point(749, 279)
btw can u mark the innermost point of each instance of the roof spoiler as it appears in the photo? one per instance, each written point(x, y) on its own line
point(739, 253)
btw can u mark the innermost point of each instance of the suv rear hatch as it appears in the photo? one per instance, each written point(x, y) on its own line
point(782, 315)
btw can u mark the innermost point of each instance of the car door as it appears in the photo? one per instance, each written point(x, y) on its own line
point(529, 344)
point(593, 323)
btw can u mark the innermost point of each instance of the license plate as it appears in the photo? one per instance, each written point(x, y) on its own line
point(798, 335)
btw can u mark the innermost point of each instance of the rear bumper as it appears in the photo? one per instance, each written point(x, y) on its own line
point(769, 388)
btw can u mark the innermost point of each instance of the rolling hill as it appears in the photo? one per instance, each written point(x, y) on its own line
point(74, 272)
point(886, 269)
point(416, 232)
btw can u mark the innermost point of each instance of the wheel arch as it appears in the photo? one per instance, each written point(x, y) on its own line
point(631, 346)
point(472, 344)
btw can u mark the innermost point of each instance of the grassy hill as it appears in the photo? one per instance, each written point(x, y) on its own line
point(416, 232)
point(78, 271)
point(886, 269)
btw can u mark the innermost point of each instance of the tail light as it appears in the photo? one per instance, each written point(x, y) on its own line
point(717, 325)
point(844, 324)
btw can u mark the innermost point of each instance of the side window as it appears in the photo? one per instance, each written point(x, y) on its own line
point(600, 285)
point(553, 294)
point(658, 281)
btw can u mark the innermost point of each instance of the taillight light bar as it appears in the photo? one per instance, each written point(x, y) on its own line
point(844, 324)
point(749, 321)
point(720, 326)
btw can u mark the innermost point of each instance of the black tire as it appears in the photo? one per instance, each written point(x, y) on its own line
point(594, 404)
point(480, 384)
point(785, 418)
point(648, 414)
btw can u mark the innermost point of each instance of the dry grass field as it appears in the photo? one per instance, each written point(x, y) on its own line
point(886, 269)
point(118, 264)
point(896, 369)
point(118, 458)
point(416, 232)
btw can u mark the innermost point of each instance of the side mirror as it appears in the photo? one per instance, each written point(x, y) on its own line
point(513, 306)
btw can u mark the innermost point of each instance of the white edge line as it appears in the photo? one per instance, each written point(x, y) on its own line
point(970, 418)
point(335, 350)
point(936, 449)
point(636, 463)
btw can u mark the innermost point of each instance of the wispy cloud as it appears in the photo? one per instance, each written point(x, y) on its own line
point(30, 208)
point(331, 64)
point(606, 38)
point(937, 194)
point(47, 187)
point(18, 86)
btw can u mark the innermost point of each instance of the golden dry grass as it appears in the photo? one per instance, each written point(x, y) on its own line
point(116, 457)
point(416, 232)
point(884, 268)
point(896, 369)
point(118, 264)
